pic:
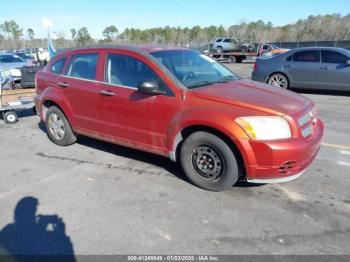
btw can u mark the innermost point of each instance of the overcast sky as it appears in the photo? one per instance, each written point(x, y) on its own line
point(96, 15)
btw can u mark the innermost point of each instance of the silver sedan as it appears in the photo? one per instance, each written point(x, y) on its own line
point(311, 68)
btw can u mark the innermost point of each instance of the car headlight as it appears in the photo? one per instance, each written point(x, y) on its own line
point(265, 127)
point(15, 72)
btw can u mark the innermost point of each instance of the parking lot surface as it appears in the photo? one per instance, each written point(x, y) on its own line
point(114, 200)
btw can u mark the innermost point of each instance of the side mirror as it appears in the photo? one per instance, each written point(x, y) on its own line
point(348, 62)
point(150, 87)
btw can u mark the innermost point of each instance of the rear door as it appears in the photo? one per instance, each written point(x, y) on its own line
point(303, 71)
point(80, 87)
point(335, 73)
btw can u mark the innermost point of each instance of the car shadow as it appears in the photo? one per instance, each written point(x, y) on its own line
point(35, 237)
point(138, 155)
point(321, 92)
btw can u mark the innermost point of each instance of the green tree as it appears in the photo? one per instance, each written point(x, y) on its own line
point(30, 33)
point(194, 33)
point(73, 33)
point(110, 32)
point(212, 32)
point(12, 29)
point(221, 31)
point(83, 36)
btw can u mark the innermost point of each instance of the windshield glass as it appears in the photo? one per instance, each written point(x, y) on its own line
point(193, 69)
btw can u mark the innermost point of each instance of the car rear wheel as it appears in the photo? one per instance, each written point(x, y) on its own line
point(58, 128)
point(232, 59)
point(219, 50)
point(278, 80)
point(209, 162)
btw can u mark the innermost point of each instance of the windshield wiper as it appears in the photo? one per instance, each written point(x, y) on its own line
point(198, 84)
point(226, 79)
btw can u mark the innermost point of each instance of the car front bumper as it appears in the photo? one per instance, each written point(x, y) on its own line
point(280, 161)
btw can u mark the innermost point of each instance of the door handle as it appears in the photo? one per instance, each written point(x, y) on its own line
point(324, 67)
point(63, 84)
point(106, 93)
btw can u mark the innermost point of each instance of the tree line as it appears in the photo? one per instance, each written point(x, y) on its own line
point(314, 28)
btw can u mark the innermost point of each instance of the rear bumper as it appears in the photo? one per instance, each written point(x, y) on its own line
point(280, 161)
point(258, 77)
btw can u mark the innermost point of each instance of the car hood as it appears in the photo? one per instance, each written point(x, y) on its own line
point(254, 95)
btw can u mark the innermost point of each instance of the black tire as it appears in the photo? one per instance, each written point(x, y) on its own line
point(219, 50)
point(219, 159)
point(10, 117)
point(239, 60)
point(232, 60)
point(59, 131)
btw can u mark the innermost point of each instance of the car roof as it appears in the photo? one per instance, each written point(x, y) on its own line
point(331, 48)
point(135, 48)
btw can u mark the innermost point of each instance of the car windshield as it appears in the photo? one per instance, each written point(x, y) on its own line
point(193, 69)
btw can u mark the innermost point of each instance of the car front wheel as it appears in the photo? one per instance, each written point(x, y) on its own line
point(209, 162)
point(58, 128)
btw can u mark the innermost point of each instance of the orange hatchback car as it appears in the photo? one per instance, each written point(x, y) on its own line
point(183, 105)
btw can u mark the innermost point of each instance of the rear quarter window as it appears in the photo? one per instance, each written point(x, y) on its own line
point(57, 67)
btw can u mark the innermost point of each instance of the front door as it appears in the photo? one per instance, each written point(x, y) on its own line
point(334, 71)
point(133, 118)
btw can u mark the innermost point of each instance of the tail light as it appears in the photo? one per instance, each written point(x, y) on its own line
point(255, 67)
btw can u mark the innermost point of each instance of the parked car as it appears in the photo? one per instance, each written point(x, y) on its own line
point(30, 59)
point(314, 68)
point(230, 44)
point(12, 60)
point(180, 104)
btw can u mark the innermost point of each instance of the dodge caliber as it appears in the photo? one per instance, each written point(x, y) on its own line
point(183, 105)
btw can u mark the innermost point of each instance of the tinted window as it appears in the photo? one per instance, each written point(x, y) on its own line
point(265, 47)
point(58, 66)
point(219, 40)
point(193, 69)
point(307, 56)
point(289, 58)
point(11, 59)
point(333, 57)
point(128, 71)
point(83, 66)
point(228, 40)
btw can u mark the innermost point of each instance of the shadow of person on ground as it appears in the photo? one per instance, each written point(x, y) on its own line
point(33, 235)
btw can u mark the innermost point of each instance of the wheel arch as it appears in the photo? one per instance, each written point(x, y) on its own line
point(278, 72)
point(187, 131)
point(48, 102)
point(51, 97)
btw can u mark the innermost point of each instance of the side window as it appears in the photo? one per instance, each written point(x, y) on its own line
point(289, 58)
point(128, 71)
point(228, 40)
point(265, 47)
point(83, 66)
point(218, 40)
point(333, 57)
point(307, 56)
point(57, 67)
